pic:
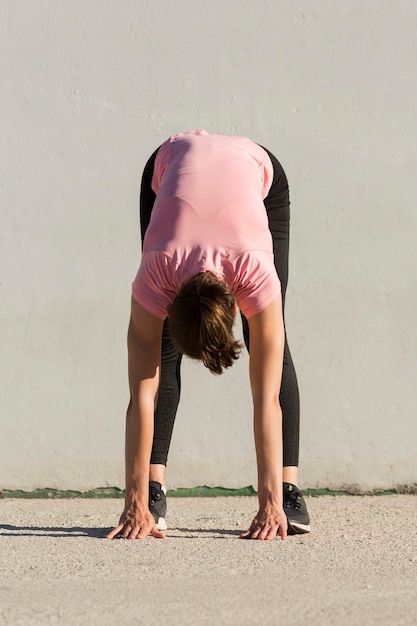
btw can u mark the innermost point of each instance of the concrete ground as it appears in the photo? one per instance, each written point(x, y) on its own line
point(358, 565)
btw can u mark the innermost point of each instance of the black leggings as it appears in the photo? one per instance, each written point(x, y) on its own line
point(277, 206)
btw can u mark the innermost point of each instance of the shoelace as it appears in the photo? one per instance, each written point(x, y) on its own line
point(292, 500)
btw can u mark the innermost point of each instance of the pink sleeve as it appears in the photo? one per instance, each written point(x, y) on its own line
point(256, 283)
point(267, 174)
point(155, 287)
point(161, 164)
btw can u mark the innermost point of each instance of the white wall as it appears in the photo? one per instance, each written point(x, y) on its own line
point(88, 89)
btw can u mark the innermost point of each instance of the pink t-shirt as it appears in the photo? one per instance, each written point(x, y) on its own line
point(208, 215)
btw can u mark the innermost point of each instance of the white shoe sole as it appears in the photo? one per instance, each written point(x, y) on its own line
point(161, 525)
point(298, 529)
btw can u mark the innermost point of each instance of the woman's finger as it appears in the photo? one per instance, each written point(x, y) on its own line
point(127, 530)
point(249, 533)
point(272, 534)
point(115, 531)
point(264, 533)
point(157, 533)
point(134, 531)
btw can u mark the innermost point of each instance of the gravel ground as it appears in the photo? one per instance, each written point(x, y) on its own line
point(358, 565)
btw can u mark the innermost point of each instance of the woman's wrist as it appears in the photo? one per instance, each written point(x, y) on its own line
point(270, 495)
point(137, 491)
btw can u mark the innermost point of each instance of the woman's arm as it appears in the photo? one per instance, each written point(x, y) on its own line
point(267, 339)
point(144, 354)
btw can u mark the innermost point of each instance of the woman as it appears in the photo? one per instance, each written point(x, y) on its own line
point(215, 230)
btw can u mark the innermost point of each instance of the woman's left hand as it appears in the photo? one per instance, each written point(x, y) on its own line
point(270, 522)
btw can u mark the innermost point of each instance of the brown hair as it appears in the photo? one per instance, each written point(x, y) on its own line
point(201, 321)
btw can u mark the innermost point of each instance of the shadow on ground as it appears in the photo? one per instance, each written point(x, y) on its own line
point(6, 530)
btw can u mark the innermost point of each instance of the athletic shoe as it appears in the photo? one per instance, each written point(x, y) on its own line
point(158, 504)
point(296, 510)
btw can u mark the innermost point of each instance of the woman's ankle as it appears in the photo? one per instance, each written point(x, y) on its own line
point(157, 473)
point(290, 474)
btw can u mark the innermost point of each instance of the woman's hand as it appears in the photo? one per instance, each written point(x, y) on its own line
point(270, 522)
point(136, 523)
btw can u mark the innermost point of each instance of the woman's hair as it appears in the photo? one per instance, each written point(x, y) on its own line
point(201, 321)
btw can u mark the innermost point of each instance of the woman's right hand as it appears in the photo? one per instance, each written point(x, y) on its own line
point(135, 523)
point(270, 522)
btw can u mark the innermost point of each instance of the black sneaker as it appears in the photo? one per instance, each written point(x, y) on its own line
point(296, 510)
point(158, 504)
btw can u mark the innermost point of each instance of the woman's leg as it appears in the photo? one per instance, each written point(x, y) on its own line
point(277, 205)
point(170, 378)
